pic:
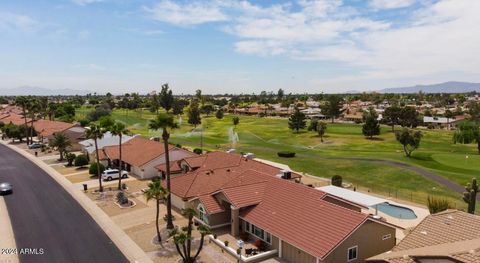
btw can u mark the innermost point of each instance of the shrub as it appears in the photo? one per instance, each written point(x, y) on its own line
point(226, 243)
point(197, 151)
point(81, 160)
point(70, 158)
point(337, 180)
point(93, 168)
point(436, 205)
point(122, 198)
point(286, 154)
point(84, 122)
point(165, 218)
point(178, 145)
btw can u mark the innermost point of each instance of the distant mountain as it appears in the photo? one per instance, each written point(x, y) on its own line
point(38, 91)
point(447, 87)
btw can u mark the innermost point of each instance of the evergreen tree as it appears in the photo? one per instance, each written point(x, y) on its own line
point(391, 116)
point(219, 114)
point(166, 97)
point(194, 114)
point(297, 120)
point(333, 107)
point(371, 127)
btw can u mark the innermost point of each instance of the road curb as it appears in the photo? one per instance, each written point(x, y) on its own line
point(124, 243)
point(6, 232)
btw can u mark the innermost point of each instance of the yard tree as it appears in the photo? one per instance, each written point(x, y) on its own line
point(184, 237)
point(33, 110)
point(474, 111)
point(165, 121)
point(371, 127)
point(119, 129)
point(70, 158)
point(61, 142)
point(236, 121)
point(154, 103)
point(333, 107)
point(409, 139)
point(467, 132)
point(321, 129)
point(219, 114)
point(408, 117)
point(157, 192)
point(166, 97)
point(313, 125)
point(470, 195)
point(106, 122)
point(391, 116)
point(207, 109)
point(194, 114)
point(96, 132)
point(337, 180)
point(297, 120)
point(448, 114)
point(280, 95)
point(178, 106)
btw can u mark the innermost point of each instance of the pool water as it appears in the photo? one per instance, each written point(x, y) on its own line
point(396, 211)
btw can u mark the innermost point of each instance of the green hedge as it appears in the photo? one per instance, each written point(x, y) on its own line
point(93, 169)
point(286, 154)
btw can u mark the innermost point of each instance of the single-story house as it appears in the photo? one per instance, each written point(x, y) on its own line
point(442, 122)
point(13, 118)
point(47, 129)
point(446, 237)
point(140, 156)
point(88, 146)
point(267, 203)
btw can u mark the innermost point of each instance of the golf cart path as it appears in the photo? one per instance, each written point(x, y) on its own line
point(423, 172)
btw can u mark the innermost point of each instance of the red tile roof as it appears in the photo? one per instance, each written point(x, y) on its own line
point(298, 215)
point(174, 167)
point(137, 151)
point(46, 128)
point(14, 119)
point(245, 195)
point(211, 204)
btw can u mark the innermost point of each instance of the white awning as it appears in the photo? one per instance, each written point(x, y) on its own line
point(352, 196)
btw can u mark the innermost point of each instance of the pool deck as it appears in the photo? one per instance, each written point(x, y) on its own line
point(420, 212)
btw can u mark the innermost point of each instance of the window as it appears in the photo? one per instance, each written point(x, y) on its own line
point(385, 237)
point(247, 227)
point(258, 232)
point(202, 214)
point(268, 238)
point(352, 253)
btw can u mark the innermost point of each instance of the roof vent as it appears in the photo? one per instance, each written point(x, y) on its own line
point(423, 232)
point(249, 156)
point(286, 174)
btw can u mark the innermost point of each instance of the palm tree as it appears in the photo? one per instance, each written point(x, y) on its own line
point(23, 101)
point(184, 237)
point(119, 129)
point(165, 121)
point(96, 132)
point(157, 192)
point(61, 142)
point(33, 108)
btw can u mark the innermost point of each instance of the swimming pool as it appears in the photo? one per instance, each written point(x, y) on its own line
point(396, 211)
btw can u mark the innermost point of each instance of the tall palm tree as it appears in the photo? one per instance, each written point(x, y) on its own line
point(96, 132)
point(23, 101)
point(157, 192)
point(119, 130)
point(165, 121)
point(33, 109)
point(61, 142)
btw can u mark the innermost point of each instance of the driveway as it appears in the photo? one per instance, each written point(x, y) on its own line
point(47, 220)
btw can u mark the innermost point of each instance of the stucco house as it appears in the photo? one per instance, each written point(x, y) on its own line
point(303, 224)
point(47, 129)
point(88, 146)
point(140, 156)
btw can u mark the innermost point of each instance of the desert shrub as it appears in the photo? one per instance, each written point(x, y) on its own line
point(93, 168)
point(436, 205)
point(197, 151)
point(286, 154)
point(337, 180)
point(81, 160)
point(70, 158)
point(122, 198)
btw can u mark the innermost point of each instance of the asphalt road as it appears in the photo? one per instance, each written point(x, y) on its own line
point(46, 218)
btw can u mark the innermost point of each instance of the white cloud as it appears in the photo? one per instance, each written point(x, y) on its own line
point(390, 4)
point(85, 2)
point(191, 13)
point(18, 22)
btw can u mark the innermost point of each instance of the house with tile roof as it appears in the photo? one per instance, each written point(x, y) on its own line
point(140, 156)
point(449, 236)
point(46, 130)
point(267, 203)
point(88, 146)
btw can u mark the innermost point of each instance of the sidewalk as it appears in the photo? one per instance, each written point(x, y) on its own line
point(6, 232)
point(128, 247)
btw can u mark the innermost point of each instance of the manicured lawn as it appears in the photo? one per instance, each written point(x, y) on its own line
point(266, 136)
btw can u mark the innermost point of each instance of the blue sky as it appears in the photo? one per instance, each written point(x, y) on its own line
point(228, 46)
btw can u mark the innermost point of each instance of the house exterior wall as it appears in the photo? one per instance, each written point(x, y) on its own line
point(221, 218)
point(296, 255)
point(369, 239)
point(148, 170)
point(178, 202)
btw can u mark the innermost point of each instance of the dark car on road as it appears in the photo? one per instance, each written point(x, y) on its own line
point(6, 188)
point(35, 145)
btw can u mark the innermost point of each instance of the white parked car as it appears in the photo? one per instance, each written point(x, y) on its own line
point(111, 174)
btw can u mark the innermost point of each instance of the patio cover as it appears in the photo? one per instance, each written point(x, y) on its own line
point(352, 196)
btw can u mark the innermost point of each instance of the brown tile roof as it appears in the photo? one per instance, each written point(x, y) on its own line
point(14, 119)
point(137, 151)
point(174, 167)
point(245, 195)
point(298, 215)
point(211, 204)
point(446, 227)
point(450, 234)
point(46, 128)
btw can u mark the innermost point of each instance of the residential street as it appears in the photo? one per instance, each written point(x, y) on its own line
point(47, 220)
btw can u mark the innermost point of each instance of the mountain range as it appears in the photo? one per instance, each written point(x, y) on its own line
point(446, 87)
point(38, 91)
